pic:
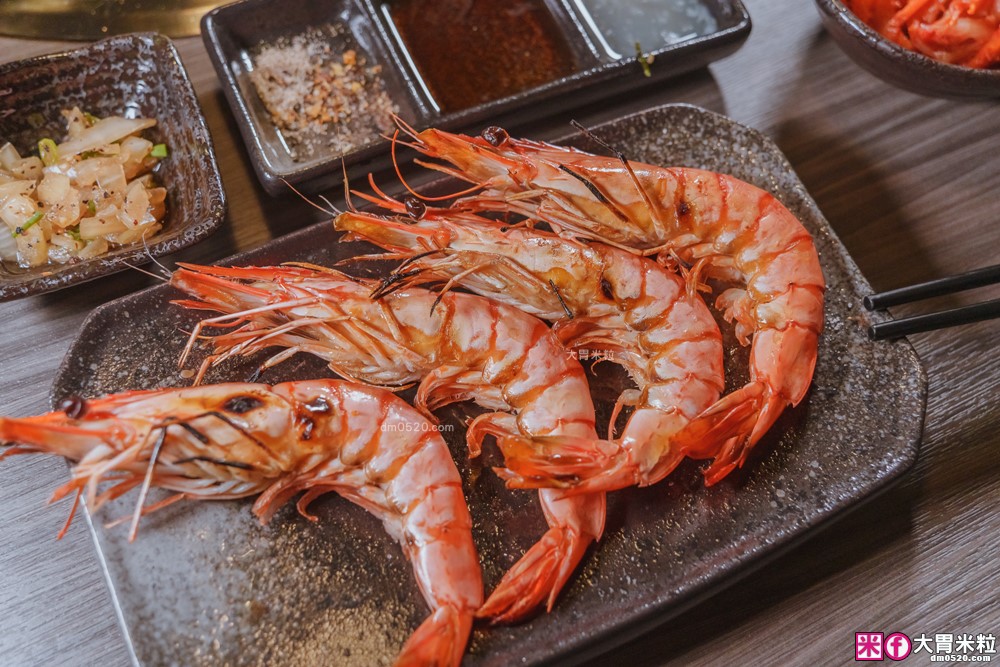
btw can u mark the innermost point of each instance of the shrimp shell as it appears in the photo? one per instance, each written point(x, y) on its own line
point(722, 227)
point(458, 347)
point(236, 440)
point(605, 302)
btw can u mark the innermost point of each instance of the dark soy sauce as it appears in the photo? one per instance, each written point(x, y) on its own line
point(469, 52)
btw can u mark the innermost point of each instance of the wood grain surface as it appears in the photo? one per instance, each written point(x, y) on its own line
point(909, 183)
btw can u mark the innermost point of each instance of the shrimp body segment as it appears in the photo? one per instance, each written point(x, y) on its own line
point(722, 227)
point(603, 301)
point(458, 347)
point(238, 440)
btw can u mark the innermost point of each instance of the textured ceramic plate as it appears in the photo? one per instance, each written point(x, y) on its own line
point(137, 75)
point(204, 584)
point(234, 33)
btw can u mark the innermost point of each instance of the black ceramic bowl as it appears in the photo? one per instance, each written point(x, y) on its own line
point(901, 67)
point(137, 75)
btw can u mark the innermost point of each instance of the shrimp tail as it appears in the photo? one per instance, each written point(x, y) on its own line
point(782, 364)
point(439, 641)
point(575, 465)
point(574, 522)
point(537, 578)
point(726, 431)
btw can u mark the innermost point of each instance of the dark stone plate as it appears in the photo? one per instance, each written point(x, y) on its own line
point(137, 75)
point(232, 34)
point(205, 584)
point(902, 67)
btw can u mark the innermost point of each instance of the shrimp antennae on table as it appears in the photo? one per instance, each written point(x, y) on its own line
point(457, 346)
point(237, 440)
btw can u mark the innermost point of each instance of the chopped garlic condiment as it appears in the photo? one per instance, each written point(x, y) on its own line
point(321, 93)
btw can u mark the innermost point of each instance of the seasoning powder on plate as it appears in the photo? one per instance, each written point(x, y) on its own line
point(321, 94)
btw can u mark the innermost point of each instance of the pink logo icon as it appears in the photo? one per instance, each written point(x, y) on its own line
point(897, 646)
point(868, 645)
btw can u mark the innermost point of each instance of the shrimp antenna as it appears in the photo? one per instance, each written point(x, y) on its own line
point(146, 482)
point(148, 273)
point(386, 199)
point(347, 188)
point(166, 272)
point(405, 127)
point(392, 282)
point(587, 132)
point(399, 175)
point(327, 202)
point(625, 163)
point(332, 213)
point(562, 302)
point(412, 258)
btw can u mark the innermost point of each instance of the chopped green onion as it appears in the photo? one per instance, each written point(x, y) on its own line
point(91, 118)
point(49, 152)
point(92, 207)
point(74, 234)
point(28, 224)
point(644, 61)
point(159, 150)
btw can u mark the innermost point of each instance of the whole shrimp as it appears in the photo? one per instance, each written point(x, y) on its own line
point(722, 227)
point(627, 308)
point(457, 346)
point(236, 440)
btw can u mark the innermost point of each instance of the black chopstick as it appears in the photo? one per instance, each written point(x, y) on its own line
point(939, 287)
point(946, 318)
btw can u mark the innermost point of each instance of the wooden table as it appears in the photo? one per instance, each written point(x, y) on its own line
point(910, 184)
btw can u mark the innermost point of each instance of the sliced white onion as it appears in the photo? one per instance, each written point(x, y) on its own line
point(92, 228)
point(9, 156)
point(16, 211)
point(76, 122)
point(32, 248)
point(29, 167)
point(105, 131)
point(93, 249)
point(20, 188)
point(8, 246)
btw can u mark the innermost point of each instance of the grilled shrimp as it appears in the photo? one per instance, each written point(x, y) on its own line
point(627, 308)
point(236, 440)
point(458, 347)
point(722, 227)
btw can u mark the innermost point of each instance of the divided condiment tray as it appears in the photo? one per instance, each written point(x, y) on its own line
point(496, 63)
